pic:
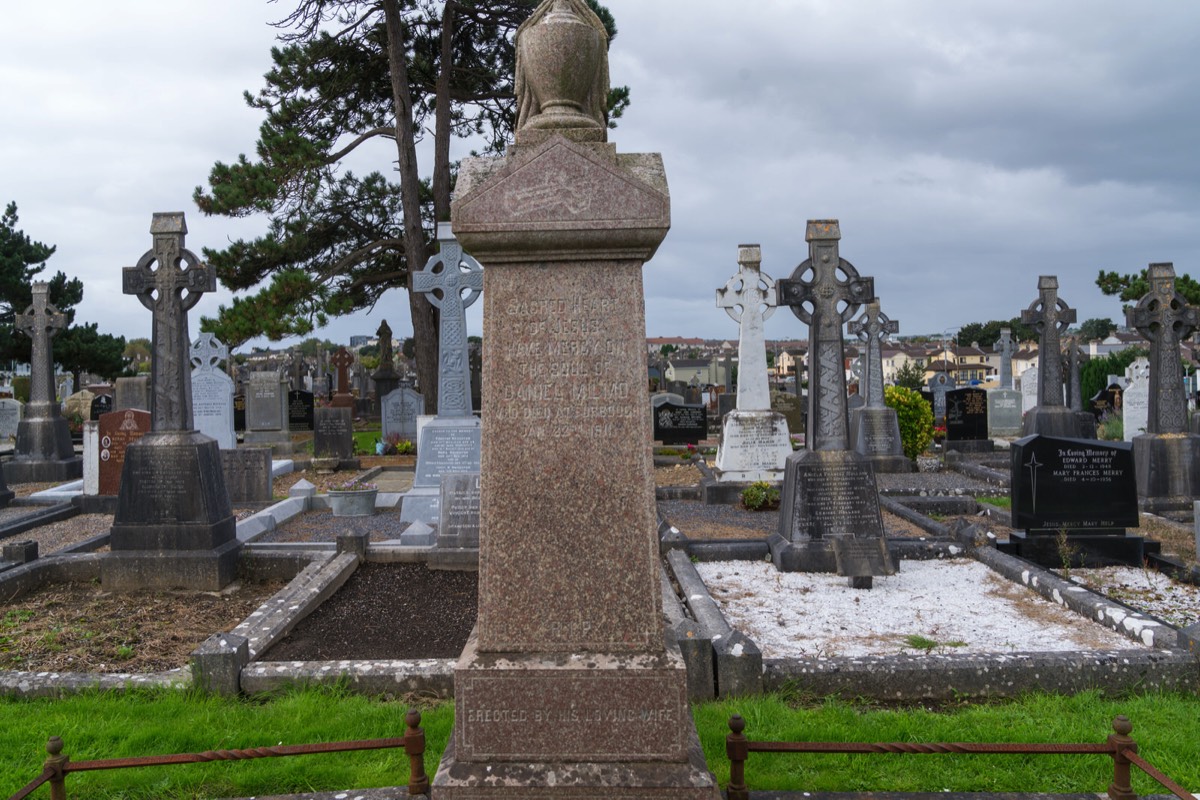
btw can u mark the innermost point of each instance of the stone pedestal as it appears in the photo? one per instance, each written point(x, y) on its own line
point(44, 453)
point(875, 435)
point(754, 447)
point(174, 527)
point(1168, 471)
point(1057, 421)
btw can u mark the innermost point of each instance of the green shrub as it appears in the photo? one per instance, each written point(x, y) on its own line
point(20, 386)
point(760, 496)
point(1111, 427)
point(915, 416)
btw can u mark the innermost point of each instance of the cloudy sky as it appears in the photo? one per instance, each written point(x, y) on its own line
point(966, 147)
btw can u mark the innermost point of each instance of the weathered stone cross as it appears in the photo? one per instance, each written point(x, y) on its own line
point(459, 272)
point(1050, 317)
point(749, 298)
point(1006, 354)
point(208, 351)
point(873, 327)
point(1164, 317)
point(162, 290)
point(342, 361)
point(41, 322)
point(827, 426)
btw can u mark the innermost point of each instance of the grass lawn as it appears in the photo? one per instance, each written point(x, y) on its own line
point(97, 725)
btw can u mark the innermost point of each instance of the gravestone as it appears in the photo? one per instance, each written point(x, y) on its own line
point(1136, 399)
point(301, 410)
point(792, 408)
point(212, 391)
point(333, 434)
point(458, 523)
point(10, 418)
point(132, 393)
point(78, 406)
point(1109, 400)
point(239, 412)
point(938, 385)
point(66, 387)
point(659, 399)
point(451, 441)
point(399, 411)
point(1003, 413)
point(1167, 454)
point(1029, 391)
point(1006, 354)
point(344, 396)
point(829, 518)
point(267, 412)
point(1083, 487)
point(1050, 317)
point(101, 404)
point(43, 452)
point(247, 473)
point(875, 428)
point(174, 526)
point(567, 689)
point(118, 429)
point(676, 423)
point(754, 439)
point(967, 421)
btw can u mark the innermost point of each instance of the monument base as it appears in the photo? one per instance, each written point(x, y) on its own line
point(525, 723)
point(174, 527)
point(23, 470)
point(1168, 471)
point(875, 435)
point(1083, 550)
point(754, 447)
point(1057, 421)
point(43, 435)
point(970, 445)
point(891, 464)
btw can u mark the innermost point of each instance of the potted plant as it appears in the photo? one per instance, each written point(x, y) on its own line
point(353, 499)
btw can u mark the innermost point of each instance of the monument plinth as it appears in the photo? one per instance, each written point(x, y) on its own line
point(875, 428)
point(567, 689)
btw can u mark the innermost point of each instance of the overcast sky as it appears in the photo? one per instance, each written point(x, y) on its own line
point(966, 147)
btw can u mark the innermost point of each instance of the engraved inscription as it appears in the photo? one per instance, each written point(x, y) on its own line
point(836, 500)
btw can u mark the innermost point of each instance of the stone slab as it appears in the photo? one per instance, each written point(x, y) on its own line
point(118, 430)
point(1004, 413)
point(333, 433)
point(754, 446)
point(458, 511)
point(448, 445)
point(212, 406)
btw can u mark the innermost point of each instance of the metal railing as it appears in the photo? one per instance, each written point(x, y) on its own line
point(58, 765)
point(1119, 746)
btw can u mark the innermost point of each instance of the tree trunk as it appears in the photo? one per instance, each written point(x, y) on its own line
point(441, 138)
point(424, 315)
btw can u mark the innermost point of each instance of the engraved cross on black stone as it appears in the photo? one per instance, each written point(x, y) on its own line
point(1164, 317)
point(41, 322)
point(815, 301)
point(169, 281)
point(1050, 317)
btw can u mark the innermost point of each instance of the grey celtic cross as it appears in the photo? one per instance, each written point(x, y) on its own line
point(873, 327)
point(1006, 354)
point(1074, 385)
point(1164, 317)
point(41, 322)
point(208, 351)
point(445, 279)
point(815, 301)
point(1050, 317)
point(342, 360)
point(169, 290)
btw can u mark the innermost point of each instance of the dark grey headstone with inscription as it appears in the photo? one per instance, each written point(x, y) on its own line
point(248, 474)
point(448, 446)
point(399, 412)
point(333, 433)
point(264, 402)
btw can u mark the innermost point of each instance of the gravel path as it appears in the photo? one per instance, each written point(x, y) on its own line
point(57, 535)
point(322, 526)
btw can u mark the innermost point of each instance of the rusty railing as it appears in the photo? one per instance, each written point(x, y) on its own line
point(58, 766)
point(1119, 746)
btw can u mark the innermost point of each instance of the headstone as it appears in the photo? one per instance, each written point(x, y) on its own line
point(1082, 487)
point(344, 396)
point(659, 399)
point(1004, 413)
point(10, 418)
point(680, 424)
point(300, 410)
point(451, 442)
point(239, 411)
point(132, 393)
point(1074, 382)
point(1109, 400)
point(569, 640)
point(967, 421)
point(267, 412)
point(78, 406)
point(792, 408)
point(247, 473)
point(1167, 455)
point(400, 409)
point(1136, 399)
point(101, 405)
point(754, 439)
point(829, 490)
point(118, 429)
point(458, 526)
point(1029, 390)
point(333, 433)
point(66, 387)
point(44, 452)
point(1050, 317)
point(938, 385)
point(875, 428)
point(174, 526)
point(212, 391)
point(1006, 355)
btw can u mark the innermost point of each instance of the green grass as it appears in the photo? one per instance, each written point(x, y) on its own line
point(999, 502)
point(97, 725)
point(364, 441)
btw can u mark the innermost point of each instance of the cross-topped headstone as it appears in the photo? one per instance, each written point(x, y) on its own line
point(749, 298)
point(873, 327)
point(823, 292)
point(41, 322)
point(208, 351)
point(1164, 317)
point(1006, 356)
point(342, 360)
point(444, 280)
point(169, 281)
point(1050, 316)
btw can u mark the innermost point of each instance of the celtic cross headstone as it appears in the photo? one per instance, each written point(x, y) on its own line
point(41, 322)
point(1050, 316)
point(1006, 357)
point(873, 327)
point(875, 428)
point(1164, 318)
point(452, 280)
point(169, 280)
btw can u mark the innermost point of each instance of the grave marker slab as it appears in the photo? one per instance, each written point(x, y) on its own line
point(458, 525)
point(212, 391)
point(1136, 399)
point(1004, 413)
point(966, 420)
point(102, 404)
point(118, 429)
point(132, 393)
point(10, 418)
point(400, 409)
point(301, 410)
point(680, 424)
point(333, 434)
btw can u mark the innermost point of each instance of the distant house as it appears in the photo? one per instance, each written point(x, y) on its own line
point(966, 365)
point(702, 371)
point(1115, 342)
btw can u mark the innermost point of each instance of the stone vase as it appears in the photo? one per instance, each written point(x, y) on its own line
point(353, 503)
point(564, 52)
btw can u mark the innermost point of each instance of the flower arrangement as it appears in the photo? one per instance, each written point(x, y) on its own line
point(355, 485)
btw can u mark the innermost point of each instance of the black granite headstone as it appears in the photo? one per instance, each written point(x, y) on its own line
point(966, 414)
point(300, 410)
point(680, 424)
point(333, 433)
point(101, 404)
point(1107, 400)
point(1073, 485)
point(239, 412)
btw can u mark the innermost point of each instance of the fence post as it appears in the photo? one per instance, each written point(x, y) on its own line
point(57, 762)
point(1121, 787)
point(414, 746)
point(736, 750)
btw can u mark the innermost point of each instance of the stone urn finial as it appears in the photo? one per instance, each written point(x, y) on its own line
point(562, 71)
